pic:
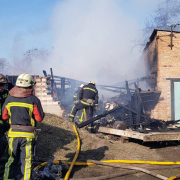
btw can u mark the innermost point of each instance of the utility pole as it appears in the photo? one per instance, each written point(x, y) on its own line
point(171, 35)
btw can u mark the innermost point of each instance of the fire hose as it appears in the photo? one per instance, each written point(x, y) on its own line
point(76, 155)
point(71, 164)
point(113, 161)
point(174, 177)
point(106, 161)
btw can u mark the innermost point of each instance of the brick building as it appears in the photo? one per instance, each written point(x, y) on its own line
point(49, 105)
point(162, 59)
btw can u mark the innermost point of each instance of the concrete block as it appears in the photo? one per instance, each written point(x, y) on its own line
point(49, 103)
point(47, 98)
point(38, 84)
point(55, 103)
point(44, 80)
point(44, 104)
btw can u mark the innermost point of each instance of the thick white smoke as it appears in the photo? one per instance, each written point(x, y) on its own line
point(93, 41)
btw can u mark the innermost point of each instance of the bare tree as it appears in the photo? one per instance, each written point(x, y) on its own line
point(24, 64)
point(3, 65)
point(41, 54)
point(21, 65)
point(167, 12)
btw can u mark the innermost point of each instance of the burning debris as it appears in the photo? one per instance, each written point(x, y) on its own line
point(50, 170)
point(130, 109)
point(125, 110)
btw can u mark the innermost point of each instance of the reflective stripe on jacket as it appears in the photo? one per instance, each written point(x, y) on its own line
point(3, 96)
point(22, 111)
point(89, 92)
point(15, 133)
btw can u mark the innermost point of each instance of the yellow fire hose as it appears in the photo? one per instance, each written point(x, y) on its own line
point(76, 155)
point(107, 161)
point(113, 161)
point(174, 177)
point(70, 163)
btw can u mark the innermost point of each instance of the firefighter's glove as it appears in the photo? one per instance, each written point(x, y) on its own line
point(75, 102)
point(71, 119)
point(90, 101)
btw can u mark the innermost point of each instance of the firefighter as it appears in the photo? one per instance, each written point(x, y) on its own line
point(76, 94)
point(23, 110)
point(80, 114)
point(88, 100)
point(4, 126)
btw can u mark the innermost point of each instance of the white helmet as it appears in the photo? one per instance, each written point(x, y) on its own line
point(82, 85)
point(25, 80)
point(92, 82)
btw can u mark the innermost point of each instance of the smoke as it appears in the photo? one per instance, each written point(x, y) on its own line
point(93, 40)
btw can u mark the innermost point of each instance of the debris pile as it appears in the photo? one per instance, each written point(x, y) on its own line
point(131, 108)
point(50, 170)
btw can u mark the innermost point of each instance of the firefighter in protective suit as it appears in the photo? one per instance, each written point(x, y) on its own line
point(80, 114)
point(88, 100)
point(22, 109)
point(76, 94)
point(4, 126)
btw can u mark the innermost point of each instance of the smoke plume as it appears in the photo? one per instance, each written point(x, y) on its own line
point(93, 40)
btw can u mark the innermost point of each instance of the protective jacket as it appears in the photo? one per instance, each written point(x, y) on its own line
point(88, 100)
point(89, 92)
point(4, 126)
point(76, 96)
point(3, 96)
point(24, 109)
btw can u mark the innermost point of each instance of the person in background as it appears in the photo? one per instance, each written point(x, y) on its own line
point(4, 126)
point(80, 113)
point(76, 94)
point(88, 100)
point(23, 110)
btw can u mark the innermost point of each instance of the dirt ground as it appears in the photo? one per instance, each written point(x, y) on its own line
point(58, 138)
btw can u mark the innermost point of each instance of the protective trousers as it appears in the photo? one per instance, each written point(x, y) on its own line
point(20, 148)
point(89, 112)
point(3, 140)
point(80, 116)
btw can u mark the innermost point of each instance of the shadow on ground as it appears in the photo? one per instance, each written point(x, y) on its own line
point(93, 154)
point(156, 145)
point(52, 138)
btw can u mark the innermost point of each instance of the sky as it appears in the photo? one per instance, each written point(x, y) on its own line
point(87, 39)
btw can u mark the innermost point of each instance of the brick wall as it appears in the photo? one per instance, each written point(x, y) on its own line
point(48, 104)
point(151, 56)
point(163, 63)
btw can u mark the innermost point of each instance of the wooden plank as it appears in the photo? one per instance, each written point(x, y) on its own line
point(149, 137)
point(131, 134)
point(139, 105)
point(168, 136)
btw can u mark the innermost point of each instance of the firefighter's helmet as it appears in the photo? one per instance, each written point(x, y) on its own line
point(3, 79)
point(25, 80)
point(81, 86)
point(91, 82)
